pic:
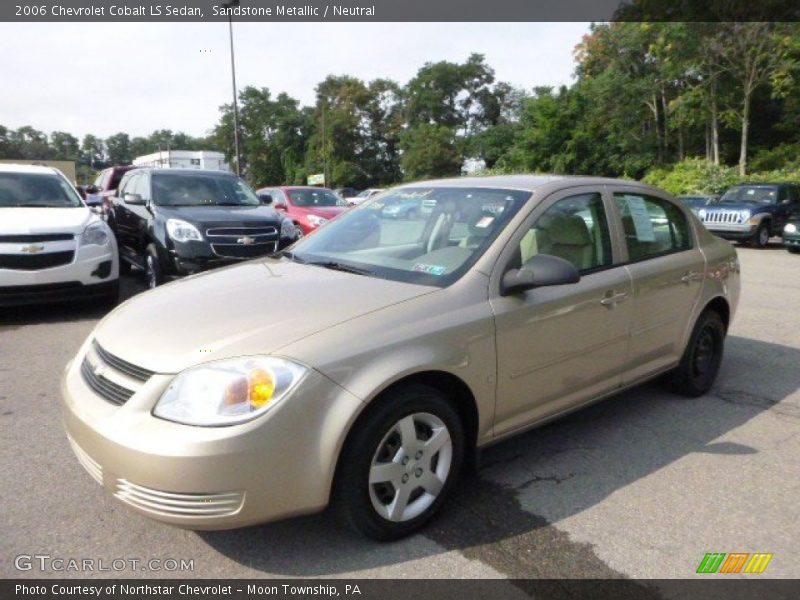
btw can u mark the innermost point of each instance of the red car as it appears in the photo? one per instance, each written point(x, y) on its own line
point(307, 207)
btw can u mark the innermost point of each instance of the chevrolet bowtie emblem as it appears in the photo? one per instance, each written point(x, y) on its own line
point(32, 249)
point(246, 240)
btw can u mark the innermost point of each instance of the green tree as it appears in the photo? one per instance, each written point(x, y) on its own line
point(119, 149)
point(429, 151)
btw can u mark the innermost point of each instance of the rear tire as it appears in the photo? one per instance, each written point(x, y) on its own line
point(702, 358)
point(399, 463)
point(153, 274)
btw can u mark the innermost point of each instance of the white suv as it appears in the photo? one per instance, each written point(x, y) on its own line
point(52, 247)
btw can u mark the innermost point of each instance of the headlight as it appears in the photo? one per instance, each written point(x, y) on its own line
point(288, 229)
point(790, 228)
point(316, 221)
point(744, 215)
point(228, 392)
point(181, 231)
point(95, 234)
point(701, 214)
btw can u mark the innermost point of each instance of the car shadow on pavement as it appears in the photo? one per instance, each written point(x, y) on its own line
point(565, 468)
point(60, 312)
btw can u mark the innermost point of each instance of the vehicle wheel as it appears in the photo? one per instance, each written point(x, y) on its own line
point(153, 274)
point(702, 358)
point(761, 237)
point(400, 463)
point(300, 233)
point(793, 250)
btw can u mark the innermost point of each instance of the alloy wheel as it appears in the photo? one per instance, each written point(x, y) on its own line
point(410, 467)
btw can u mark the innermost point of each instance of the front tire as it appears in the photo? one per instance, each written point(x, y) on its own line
point(154, 275)
point(761, 236)
point(399, 463)
point(702, 358)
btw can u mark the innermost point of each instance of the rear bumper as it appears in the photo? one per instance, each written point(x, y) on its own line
point(23, 295)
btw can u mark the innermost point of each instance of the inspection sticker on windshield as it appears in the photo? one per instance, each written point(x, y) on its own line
point(430, 269)
point(484, 222)
point(641, 219)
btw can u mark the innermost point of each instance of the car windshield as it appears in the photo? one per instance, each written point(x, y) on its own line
point(310, 198)
point(38, 190)
point(429, 236)
point(763, 194)
point(201, 189)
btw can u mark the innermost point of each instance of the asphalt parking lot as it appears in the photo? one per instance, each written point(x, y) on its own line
point(641, 485)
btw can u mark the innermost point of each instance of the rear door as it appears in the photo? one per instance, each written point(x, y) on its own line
point(667, 269)
point(560, 346)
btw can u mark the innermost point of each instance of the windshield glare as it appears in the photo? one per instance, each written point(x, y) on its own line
point(310, 198)
point(763, 194)
point(429, 236)
point(37, 190)
point(183, 189)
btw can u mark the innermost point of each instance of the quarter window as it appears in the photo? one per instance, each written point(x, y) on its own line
point(575, 229)
point(652, 226)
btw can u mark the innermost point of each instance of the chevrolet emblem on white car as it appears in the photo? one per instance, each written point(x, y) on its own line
point(32, 249)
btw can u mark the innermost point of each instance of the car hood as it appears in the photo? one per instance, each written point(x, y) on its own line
point(327, 212)
point(20, 220)
point(252, 308)
point(220, 214)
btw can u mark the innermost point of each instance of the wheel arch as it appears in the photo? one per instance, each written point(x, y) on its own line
point(720, 305)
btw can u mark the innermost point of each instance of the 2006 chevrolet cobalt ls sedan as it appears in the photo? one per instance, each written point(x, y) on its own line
point(362, 367)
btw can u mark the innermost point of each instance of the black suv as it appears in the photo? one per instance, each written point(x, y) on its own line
point(173, 222)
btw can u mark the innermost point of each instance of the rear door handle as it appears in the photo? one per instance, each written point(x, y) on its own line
point(691, 276)
point(611, 298)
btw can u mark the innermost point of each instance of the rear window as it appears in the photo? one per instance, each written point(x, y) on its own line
point(36, 190)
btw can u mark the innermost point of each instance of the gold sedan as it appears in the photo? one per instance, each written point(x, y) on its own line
point(367, 364)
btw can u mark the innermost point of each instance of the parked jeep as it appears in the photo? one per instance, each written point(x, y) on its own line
point(752, 212)
point(173, 222)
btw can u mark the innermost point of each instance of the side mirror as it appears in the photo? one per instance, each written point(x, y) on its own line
point(541, 270)
point(265, 198)
point(93, 200)
point(134, 199)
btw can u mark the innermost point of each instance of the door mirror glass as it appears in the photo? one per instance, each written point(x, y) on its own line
point(541, 270)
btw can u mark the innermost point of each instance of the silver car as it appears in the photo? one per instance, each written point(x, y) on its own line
point(365, 365)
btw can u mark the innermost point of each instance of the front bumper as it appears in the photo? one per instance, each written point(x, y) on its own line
point(791, 240)
point(279, 465)
point(92, 273)
point(732, 232)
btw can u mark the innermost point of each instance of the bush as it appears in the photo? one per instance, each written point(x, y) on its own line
point(698, 176)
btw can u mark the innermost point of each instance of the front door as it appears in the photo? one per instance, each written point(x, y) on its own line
point(560, 346)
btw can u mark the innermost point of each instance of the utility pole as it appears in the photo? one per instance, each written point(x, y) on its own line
point(230, 4)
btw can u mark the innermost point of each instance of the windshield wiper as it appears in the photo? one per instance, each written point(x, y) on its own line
point(337, 266)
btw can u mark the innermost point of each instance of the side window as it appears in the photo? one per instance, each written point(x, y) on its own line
point(125, 185)
point(142, 186)
point(652, 226)
point(575, 229)
point(783, 193)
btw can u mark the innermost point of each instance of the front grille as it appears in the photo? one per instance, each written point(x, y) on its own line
point(113, 392)
point(92, 466)
point(725, 217)
point(244, 251)
point(35, 262)
point(178, 505)
point(29, 238)
point(241, 231)
point(121, 365)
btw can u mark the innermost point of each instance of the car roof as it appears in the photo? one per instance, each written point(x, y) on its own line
point(187, 171)
point(19, 168)
point(527, 183)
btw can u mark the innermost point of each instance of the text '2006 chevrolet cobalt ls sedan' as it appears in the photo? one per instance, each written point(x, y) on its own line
point(362, 367)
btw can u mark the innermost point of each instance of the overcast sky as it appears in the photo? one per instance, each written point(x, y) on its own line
point(103, 78)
